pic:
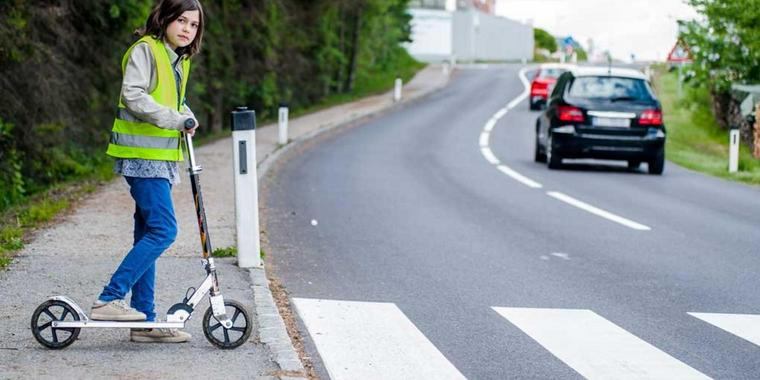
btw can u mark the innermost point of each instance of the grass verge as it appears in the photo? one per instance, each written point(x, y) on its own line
point(695, 140)
point(225, 252)
point(19, 222)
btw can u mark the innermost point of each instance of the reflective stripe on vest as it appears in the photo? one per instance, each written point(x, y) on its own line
point(134, 138)
point(136, 141)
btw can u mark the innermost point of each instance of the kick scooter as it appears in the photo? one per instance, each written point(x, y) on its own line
point(56, 323)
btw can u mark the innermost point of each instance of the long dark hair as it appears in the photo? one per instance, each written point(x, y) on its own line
point(165, 13)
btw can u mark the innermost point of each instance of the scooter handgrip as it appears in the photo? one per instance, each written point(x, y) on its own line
point(190, 123)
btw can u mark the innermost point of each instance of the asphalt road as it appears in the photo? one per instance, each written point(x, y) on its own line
point(401, 244)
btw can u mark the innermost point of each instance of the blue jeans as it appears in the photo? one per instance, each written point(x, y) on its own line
point(155, 231)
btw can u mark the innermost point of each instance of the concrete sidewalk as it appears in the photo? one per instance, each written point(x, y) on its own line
point(77, 255)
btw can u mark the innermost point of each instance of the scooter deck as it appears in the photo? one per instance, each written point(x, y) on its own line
point(118, 324)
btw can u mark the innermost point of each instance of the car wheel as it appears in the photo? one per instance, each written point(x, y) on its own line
point(657, 164)
point(633, 164)
point(553, 159)
point(539, 156)
point(533, 106)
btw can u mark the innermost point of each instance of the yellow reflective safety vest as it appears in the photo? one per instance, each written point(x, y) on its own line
point(134, 138)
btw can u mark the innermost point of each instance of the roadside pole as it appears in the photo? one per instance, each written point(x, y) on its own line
point(397, 90)
point(283, 126)
point(733, 151)
point(246, 187)
point(680, 79)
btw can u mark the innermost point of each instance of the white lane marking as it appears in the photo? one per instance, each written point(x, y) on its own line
point(490, 157)
point(564, 256)
point(519, 177)
point(595, 347)
point(489, 126)
point(484, 139)
point(500, 113)
point(597, 211)
point(371, 340)
point(745, 326)
point(526, 90)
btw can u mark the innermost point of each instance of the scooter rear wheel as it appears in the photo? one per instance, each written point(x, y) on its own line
point(233, 337)
point(45, 333)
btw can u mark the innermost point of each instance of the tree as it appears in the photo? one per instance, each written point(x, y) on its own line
point(544, 40)
point(725, 45)
point(60, 65)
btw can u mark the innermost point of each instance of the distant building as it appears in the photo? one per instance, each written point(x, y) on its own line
point(428, 4)
point(485, 6)
point(466, 30)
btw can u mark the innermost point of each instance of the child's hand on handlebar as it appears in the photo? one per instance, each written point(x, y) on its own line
point(190, 126)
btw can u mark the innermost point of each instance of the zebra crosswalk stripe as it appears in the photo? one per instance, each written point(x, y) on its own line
point(746, 326)
point(371, 340)
point(595, 347)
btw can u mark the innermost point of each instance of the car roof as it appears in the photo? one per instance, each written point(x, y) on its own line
point(564, 66)
point(595, 71)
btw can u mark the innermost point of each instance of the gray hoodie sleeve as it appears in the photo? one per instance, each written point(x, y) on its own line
point(139, 81)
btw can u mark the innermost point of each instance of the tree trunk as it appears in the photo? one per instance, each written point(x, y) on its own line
point(219, 110)
point(338, 69)
point(348, 86)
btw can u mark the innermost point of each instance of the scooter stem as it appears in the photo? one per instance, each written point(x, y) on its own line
point(195, 183)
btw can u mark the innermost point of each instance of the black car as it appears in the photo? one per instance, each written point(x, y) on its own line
point(603, 113)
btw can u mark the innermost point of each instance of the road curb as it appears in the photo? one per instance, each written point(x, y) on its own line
point(272, 331)
point(272, 328)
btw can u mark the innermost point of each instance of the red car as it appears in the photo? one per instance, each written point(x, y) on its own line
point(543, 83)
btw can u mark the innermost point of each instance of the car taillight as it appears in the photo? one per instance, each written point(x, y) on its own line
point(567, 113)
point(651, 117)
point(539, 88)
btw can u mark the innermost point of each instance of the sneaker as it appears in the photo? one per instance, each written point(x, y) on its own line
point(158, 336)
point(116, 310)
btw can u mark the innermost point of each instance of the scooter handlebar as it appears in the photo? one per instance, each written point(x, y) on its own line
point(190, 123)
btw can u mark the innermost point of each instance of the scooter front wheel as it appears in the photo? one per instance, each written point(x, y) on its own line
point(233, 337)
point(42, 324)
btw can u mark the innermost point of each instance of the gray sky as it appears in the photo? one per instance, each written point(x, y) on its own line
point(646, 28)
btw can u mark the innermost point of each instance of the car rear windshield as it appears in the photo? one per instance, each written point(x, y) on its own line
point(613, 88)
point(551, 73)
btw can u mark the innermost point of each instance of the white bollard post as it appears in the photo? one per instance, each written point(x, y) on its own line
point(283, 126)
point(246, 187)
point(445, 68)
point(680, 80)
point(397, 90)
point(733, 151)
